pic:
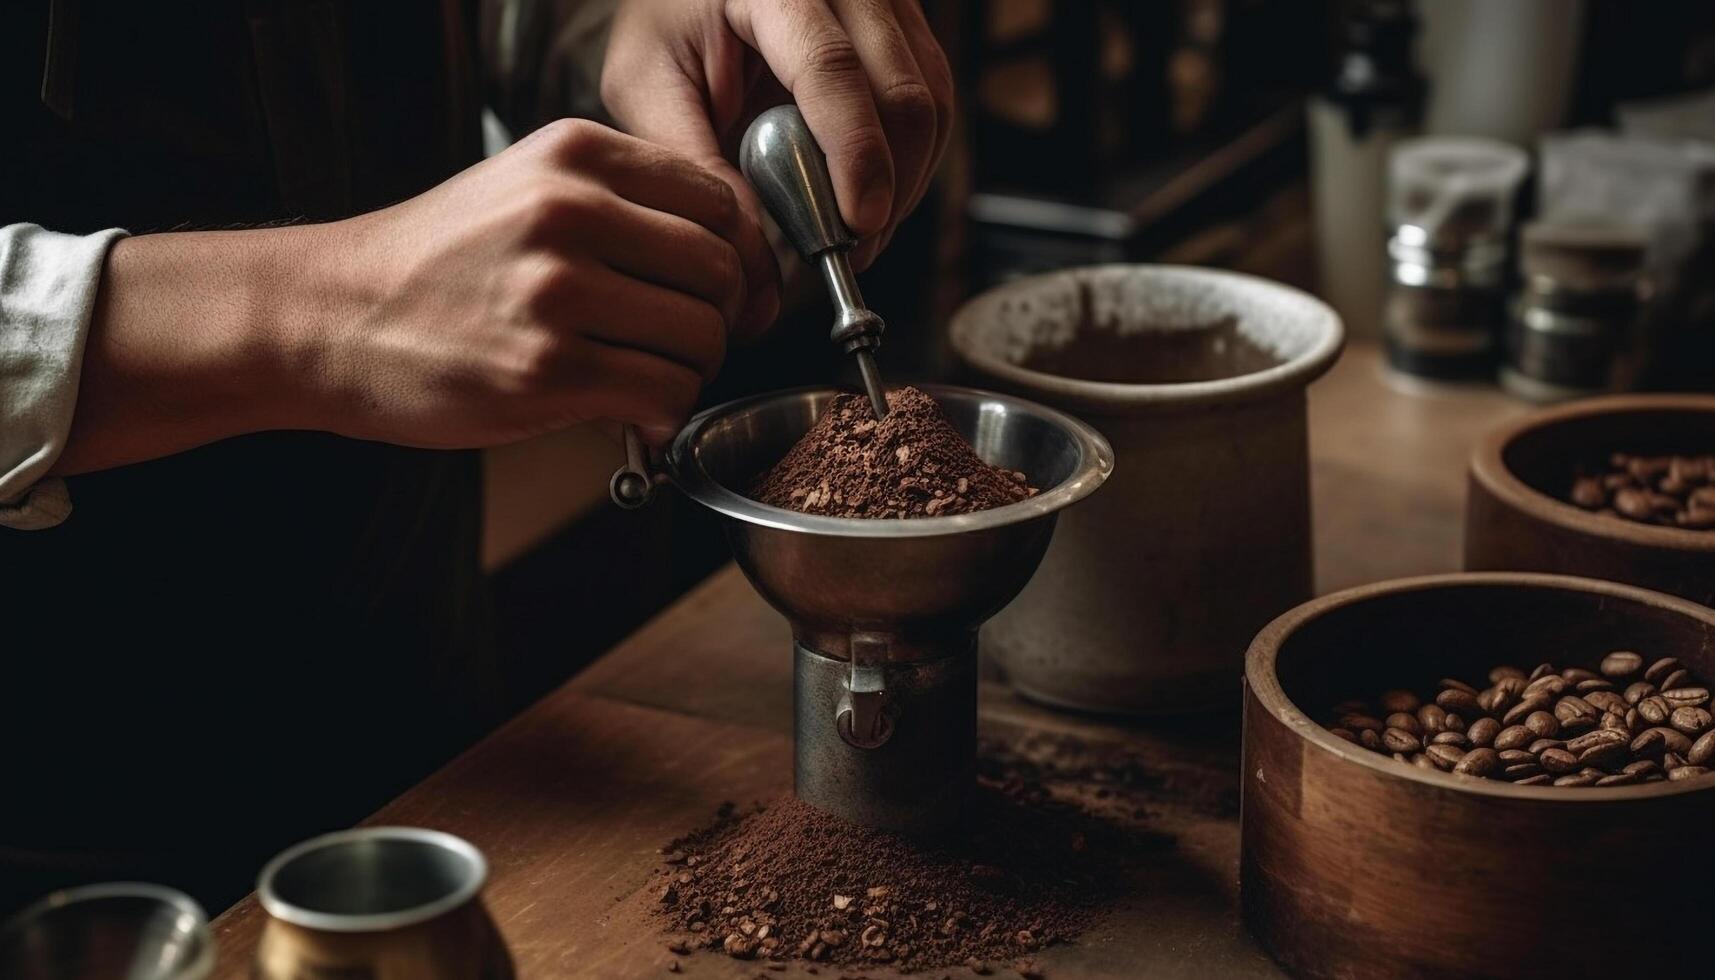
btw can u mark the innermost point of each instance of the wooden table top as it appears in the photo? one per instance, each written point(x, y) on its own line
point(571, 799)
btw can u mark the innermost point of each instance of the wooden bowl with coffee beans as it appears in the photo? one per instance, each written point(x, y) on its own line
point(1619, 488)
point(1495, 774)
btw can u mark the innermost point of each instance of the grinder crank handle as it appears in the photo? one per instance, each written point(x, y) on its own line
point(632, 485)
point(781, 159)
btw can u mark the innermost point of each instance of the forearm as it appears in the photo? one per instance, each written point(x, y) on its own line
point(200, 336)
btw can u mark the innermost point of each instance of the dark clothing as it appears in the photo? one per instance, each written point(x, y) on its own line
point(230, 649)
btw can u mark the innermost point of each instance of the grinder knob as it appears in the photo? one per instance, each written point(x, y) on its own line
point(780, 158)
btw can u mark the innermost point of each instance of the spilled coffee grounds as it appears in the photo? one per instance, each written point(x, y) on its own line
point(912, 463)
point(788, 881)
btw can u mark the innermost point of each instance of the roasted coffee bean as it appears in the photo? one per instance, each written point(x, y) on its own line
point(1658, 671)
point(1687, 772)
point(1369, 739)
point(1423, 761)
point(1478, 762)
point(1702, 751)
point(1654, 709)
point(1679, 678)
point(1400, 700)
point(1542, 670)
point(1607, 701)
point(1596, 684)
point(1531, 702)
point(1358, 722)
point(1638, 690)
point(1686, 697)
point(1459, 701)
point(1542, 744)
point(1401, 741)
point(1574, 712)
point(1616, 723)
point(1433, 718)
point(1540, 779)
point(1587, 492)
point(1651, 742)
point(1578, 779)
point(1452, 738)
point(1634, 503)
point(1445, 757)
point(1514, 737)
point(1672, 760)
point(1547, 686)
point(1404, 721)
point(1521, 770)
point(1496, 700)
point(1398, 756)
point(1643, 767)
point(1542, 724)
point(1589, 740)
point(1483, 731)
point(1558, 761)
point(1634, 721)
point(1501, 673)
point(1455, 684)
point(1691, 721)
point(1621, 663)
point(1609, 755)
point(1454, 722)
point(1619, 779)
point(1573, 675)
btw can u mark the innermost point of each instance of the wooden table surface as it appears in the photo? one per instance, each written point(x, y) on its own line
point(571, 800)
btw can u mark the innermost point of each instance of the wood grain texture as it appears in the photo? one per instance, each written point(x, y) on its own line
point(571, 799)
point(1357, 866)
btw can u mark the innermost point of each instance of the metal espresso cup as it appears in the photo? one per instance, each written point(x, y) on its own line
point(378, 903)
point(125, 929)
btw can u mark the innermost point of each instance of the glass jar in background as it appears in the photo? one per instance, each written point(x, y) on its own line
point(1572, 324)
point(1450, 208)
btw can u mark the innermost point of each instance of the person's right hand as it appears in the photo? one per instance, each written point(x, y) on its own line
point(581, 274)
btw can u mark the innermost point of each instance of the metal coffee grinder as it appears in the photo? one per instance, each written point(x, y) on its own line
point(884, 613)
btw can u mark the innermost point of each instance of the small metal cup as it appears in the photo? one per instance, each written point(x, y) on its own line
point(125, 930)
point(381, 903)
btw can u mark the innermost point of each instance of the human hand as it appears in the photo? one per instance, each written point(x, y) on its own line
point(581, 274)
point(868, 75)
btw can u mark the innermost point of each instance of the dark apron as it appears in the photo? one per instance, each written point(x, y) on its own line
point(230, 649)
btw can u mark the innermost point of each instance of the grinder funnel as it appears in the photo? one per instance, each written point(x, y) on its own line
point(884, 613)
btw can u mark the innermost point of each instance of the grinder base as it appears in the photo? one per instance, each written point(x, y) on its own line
point(917, 780)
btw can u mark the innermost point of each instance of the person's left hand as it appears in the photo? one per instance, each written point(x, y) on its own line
point(868, 75)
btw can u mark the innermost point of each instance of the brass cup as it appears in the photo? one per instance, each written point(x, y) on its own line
point(383, 903)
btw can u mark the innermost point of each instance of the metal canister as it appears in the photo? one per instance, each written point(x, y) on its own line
point(383, 903)
point(1573, 319)
point(1450, 208)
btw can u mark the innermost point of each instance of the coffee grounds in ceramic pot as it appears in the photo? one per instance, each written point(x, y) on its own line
point(912, 463)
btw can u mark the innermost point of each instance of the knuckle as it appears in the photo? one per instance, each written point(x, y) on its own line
point(574, 140)
point(833, 60)
point(909, 102)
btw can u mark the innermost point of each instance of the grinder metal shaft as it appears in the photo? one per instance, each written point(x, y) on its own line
point(780, 158)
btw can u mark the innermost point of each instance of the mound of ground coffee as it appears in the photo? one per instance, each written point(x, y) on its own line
point(788, 881)
point(912, 463)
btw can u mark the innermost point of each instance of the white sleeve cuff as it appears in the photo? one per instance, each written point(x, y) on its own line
point(48, 283)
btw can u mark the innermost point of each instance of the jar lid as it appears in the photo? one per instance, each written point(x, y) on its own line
point(1449, 193)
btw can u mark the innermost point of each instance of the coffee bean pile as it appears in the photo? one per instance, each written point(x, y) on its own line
point(1672, 491)
point(1619, 725)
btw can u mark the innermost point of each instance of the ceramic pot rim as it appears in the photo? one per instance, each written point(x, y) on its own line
point(969, 324)
point(1489, 468)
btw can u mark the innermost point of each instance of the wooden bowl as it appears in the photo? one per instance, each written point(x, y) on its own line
point(1517, 516)
point(1356, 865)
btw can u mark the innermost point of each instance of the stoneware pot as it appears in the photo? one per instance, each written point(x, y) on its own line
point(1152, 588)
point(1356, 865)
point(1517, 515)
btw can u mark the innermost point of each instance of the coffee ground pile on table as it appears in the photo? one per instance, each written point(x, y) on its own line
point(788, 881)
point(912, 463)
